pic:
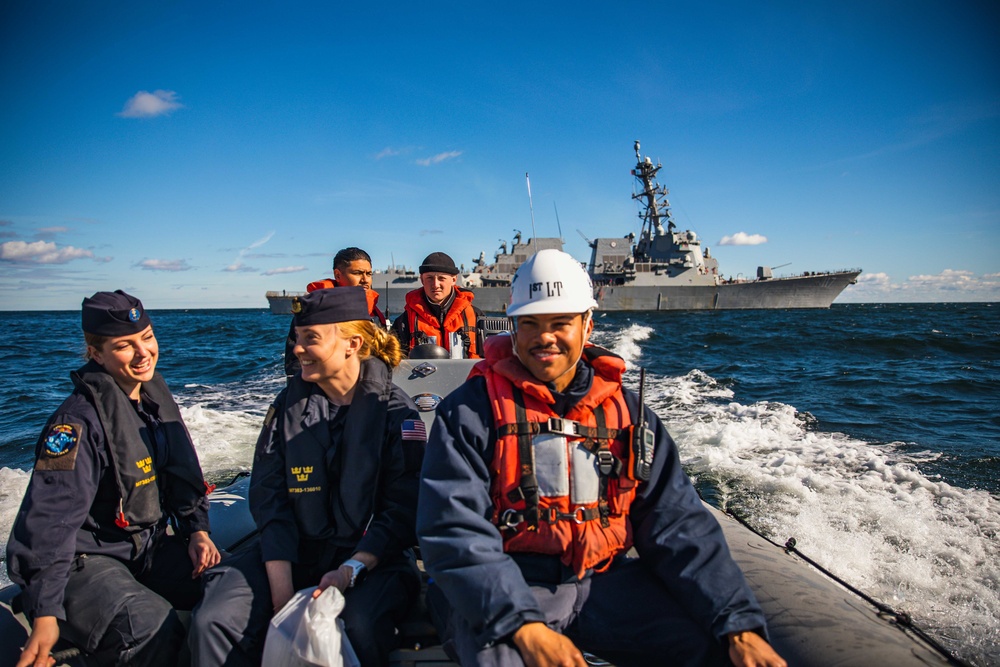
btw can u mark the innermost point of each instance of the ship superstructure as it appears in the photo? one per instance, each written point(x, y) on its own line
point(662, 269)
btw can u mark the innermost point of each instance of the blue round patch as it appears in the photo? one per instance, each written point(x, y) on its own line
point(134, 315)
point(61, 439)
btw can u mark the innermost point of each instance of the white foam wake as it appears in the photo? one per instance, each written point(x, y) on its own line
point(862, 510)
point(624, 342)
point(224, 439)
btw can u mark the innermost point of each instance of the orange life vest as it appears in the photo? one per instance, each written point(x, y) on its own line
point(560, 485)
point(370, 294)
point(461, 318)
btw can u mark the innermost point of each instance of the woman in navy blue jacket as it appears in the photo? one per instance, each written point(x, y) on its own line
point(333, 492)
point(115, 462)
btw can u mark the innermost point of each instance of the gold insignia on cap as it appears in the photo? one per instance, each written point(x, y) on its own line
point(296, 306)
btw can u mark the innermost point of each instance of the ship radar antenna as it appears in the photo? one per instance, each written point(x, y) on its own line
point(653, 198)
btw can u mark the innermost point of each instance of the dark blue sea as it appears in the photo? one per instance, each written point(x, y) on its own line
point(870, 433)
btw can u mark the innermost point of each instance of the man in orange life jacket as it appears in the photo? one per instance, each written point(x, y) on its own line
point(351, 267)
point(438, 309)
point(541, 471)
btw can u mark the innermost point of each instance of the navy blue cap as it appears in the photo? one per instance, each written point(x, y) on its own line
point(113, 314)
point(439, 262)
point(327, 306)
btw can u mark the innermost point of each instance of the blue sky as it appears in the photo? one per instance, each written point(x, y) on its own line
point(198, 154)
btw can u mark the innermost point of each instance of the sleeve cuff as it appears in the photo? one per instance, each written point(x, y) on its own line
point(33, 607)
point(745, 622)
point(193, 522)
point(505, 629)
point(279, 542)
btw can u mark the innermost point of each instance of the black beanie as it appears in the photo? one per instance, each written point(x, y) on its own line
point(438, 262)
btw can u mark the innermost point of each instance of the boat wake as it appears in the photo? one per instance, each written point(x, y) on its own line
point(863, 510)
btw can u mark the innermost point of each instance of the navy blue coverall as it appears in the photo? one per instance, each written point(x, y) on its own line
point(677, 602)
point(114, 594)
point(229, 626)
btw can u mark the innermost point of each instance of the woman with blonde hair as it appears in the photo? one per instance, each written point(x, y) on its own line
point(333, 492)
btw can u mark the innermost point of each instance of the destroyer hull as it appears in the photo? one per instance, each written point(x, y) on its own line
point(817, 291)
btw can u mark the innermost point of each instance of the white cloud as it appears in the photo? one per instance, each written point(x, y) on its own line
point(149, 105)
point(41, 252)
point(239, 267)
point(48, 231)
point(875, 279)
point(164, 265)
point(437, 159)
point(284, 269)
point(742, 238)
point(237, 264)
point(387, 152)
point(949, 285)
point(259, 242)
point(949, 279)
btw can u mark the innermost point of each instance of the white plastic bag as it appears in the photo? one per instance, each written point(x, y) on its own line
point(307, 633)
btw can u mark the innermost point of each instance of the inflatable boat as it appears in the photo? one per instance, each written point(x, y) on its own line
point(814, 620)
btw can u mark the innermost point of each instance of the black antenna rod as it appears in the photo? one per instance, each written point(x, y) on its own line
point(530, 208)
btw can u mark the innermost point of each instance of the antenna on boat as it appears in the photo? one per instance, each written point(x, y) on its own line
point(530, 208)
point(558, 225)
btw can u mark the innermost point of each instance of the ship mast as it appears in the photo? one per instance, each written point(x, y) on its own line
point(655, 197)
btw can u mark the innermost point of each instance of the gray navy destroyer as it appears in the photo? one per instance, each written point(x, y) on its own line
point(661, 269)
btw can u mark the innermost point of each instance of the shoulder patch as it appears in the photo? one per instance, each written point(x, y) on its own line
point(414, 429)
point(59, 447)
point(269, 417)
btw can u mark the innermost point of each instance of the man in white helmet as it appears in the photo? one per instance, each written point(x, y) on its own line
point(541, 471)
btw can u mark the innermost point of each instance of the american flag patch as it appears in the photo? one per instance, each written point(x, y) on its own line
point(415, 429)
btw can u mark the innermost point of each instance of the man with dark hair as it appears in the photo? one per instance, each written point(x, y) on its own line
point(352, 266)
point(439, 309)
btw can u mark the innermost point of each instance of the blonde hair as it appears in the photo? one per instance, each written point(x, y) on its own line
point(376, 341)
point(93, 341)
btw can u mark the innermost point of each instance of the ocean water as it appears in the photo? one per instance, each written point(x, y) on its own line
point(870, 433)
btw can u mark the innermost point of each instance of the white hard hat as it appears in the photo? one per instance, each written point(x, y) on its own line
point(550, 281)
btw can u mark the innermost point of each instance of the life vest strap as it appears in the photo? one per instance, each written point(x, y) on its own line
point(607, 465)
point(528, 485)
point(561, 426)
point(511, 519)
